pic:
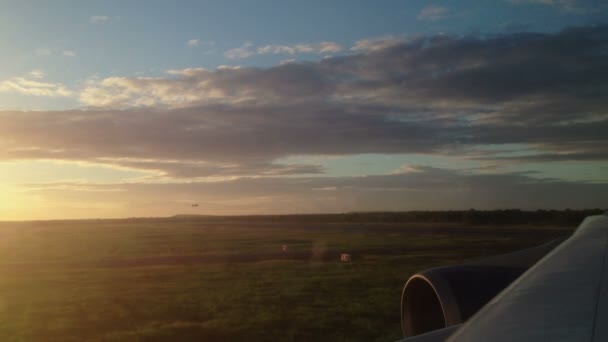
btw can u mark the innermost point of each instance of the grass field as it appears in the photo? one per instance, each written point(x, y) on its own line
point(208, 279)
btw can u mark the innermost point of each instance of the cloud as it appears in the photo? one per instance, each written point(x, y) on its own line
point(200, 86)
point(276, 49)
point(248, 50)
point(188, 72)
point(36, 74)
point(369, 45)
point(69, 53)
point(328, 47)
point(289, 60)
point(403, 169)
point(320, 48)
point(440, 95)
point(242, 52)
point(97, 19)
point(433, 13)
point(193, 43)
point(197, 169)
point(31, 85)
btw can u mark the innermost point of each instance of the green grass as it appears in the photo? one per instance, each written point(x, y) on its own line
point(119, 280)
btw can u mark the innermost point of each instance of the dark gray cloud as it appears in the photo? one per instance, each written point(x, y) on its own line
point(509, 74)
point(215, 134)
point(424, 95)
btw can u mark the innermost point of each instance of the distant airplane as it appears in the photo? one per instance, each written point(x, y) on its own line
point(554, 292)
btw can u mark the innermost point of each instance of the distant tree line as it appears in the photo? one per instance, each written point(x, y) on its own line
point(565, 217)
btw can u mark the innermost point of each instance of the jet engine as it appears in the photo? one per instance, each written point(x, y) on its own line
point(445, 296)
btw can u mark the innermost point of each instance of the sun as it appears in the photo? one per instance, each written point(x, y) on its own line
point(13, 204)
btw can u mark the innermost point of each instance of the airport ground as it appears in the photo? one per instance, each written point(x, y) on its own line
point(232, 278)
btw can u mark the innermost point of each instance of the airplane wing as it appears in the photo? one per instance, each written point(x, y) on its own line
point(562, 297)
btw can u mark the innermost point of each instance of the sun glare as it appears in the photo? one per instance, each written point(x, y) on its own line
point(10, 203)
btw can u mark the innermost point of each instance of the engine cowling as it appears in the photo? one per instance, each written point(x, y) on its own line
point(444, 296)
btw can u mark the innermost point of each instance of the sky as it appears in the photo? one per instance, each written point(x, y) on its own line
point(136, 109)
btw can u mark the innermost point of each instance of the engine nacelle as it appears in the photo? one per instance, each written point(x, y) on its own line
point(445, 296)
